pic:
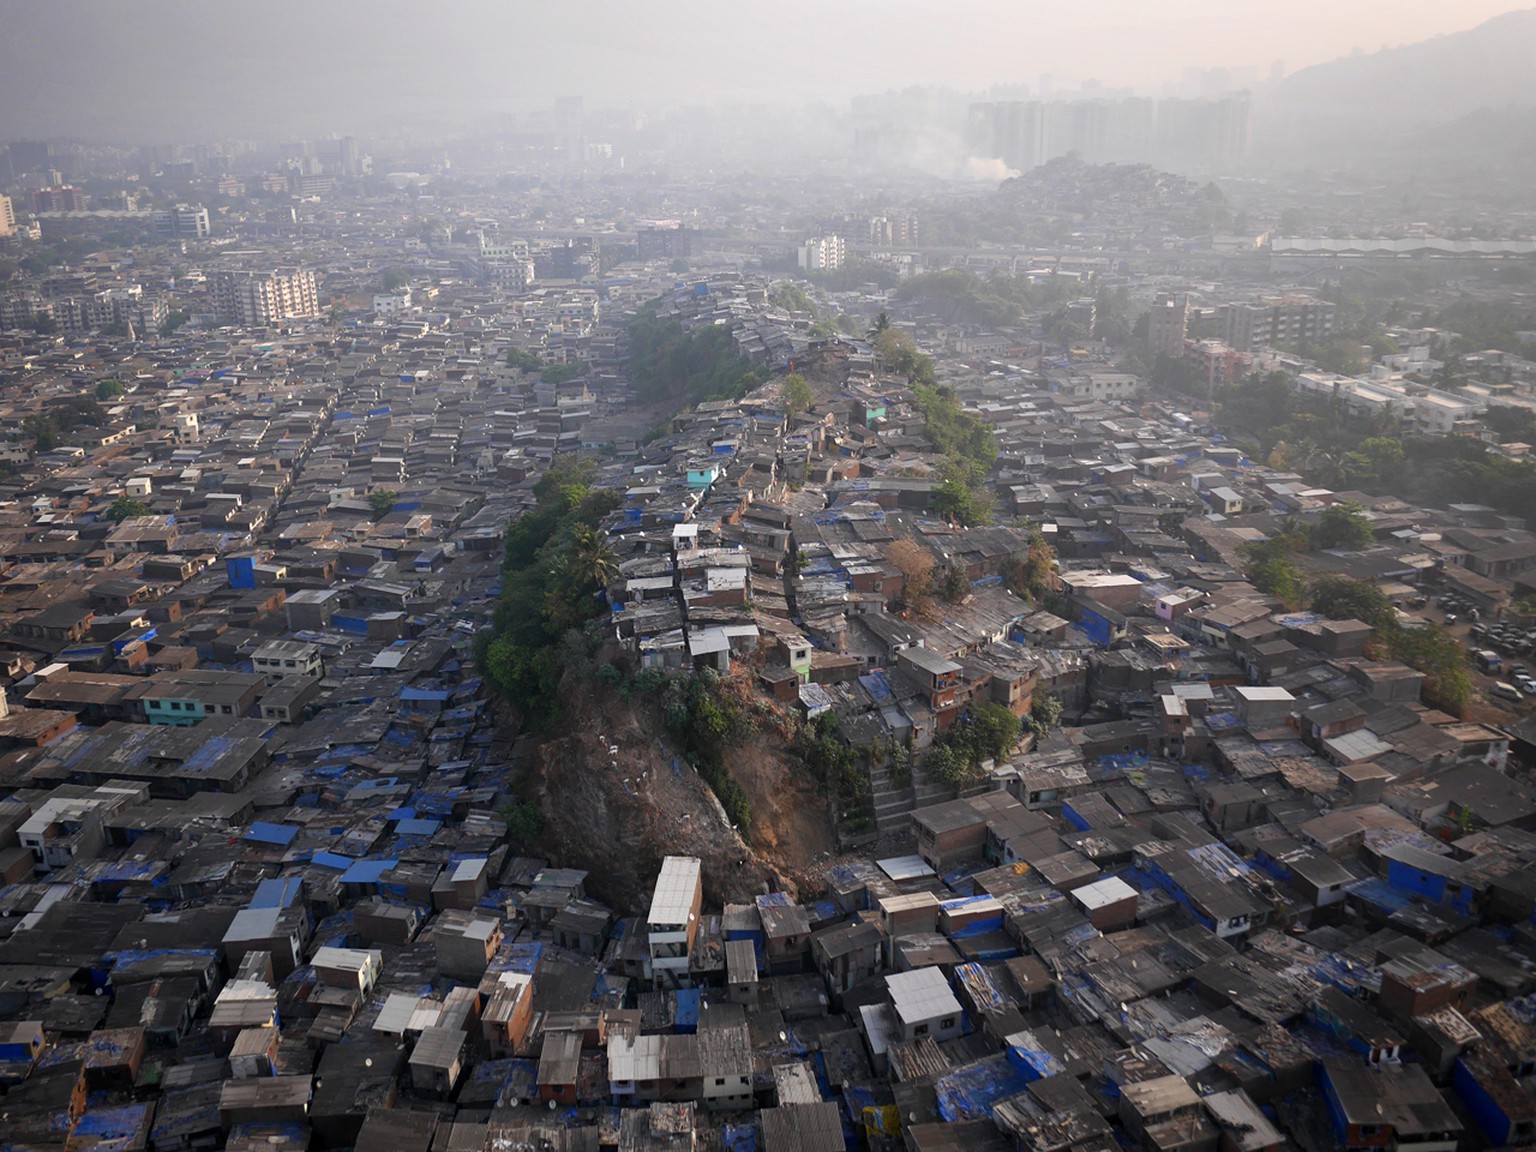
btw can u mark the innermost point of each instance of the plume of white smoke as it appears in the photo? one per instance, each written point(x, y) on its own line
point(945, 154)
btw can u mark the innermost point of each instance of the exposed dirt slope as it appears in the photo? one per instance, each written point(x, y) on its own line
point(617, 797)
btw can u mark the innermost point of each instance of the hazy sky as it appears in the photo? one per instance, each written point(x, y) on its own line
point(177, 69)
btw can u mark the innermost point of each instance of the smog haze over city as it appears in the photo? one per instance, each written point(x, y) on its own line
point(768, 577)
point(154, 71)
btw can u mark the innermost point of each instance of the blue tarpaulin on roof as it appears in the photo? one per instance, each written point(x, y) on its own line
point(367, 871)
point(686, 1018)
point(418, 827)
point(970, 1091)
point(262, 832)
point(277, 892)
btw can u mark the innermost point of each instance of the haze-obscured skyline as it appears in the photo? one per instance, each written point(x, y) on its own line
point(179, 69)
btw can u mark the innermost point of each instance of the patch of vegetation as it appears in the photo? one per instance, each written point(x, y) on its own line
point(969, 448)
point(961, 296)
point(1044, 714)
point(382, 501)
point(1317, 437)
point(1032, 575)
point(125, 507)
point(684, 368)
point(555, 563)
point(839, 770)
point(707, 720)
point(1428, 649)
point(560, 373)
point(797, 394)
point(523, 360)
point(1269, 567)
point(987, 732)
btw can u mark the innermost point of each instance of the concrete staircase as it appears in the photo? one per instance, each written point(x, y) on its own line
point(893, 806)
point(894, 803)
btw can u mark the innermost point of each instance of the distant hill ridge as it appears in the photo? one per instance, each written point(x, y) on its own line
point(1429, 82)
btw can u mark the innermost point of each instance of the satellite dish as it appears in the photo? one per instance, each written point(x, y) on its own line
point(783, 1036)
point(551, 1105)
point(368, 1062)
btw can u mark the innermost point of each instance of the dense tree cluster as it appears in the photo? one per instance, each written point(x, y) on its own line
point(969, 449)
point(987, 731)
point(684, 368)
point(1317, 437)
point(1427, 648)
point(555, 564)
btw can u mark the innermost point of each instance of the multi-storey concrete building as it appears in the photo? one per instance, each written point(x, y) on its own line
point(253, 298)
point(184, 220)
point(1168, 324)
point(674, 918)
point(1269, 320)
point(823, 253)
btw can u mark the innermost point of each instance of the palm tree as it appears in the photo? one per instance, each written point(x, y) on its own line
point(590, 561)
point(882, 322)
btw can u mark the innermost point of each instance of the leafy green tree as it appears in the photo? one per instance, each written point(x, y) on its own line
point(1032, 574)
point(590, 561)
point(958, 503)
point(1343, 525)
point(1377, 463)
point(523, 360)
point(678, 266)
point(382, 501)
point(1269, 568)
point(947, 765)
point(392, 278)
point(560, 373)
point(1044, 714)
point(1068, 335)
point(882, 323)
point(107, 389)
point(952, 584)
point(1436, 653)
point(797, 394)
point(1340, 598)
point(995, 730)
point(125, 507)
point(173, 320)
point(43, 429)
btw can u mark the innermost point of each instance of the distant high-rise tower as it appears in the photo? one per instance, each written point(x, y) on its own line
point(62, 198)
point(1169, 324)
point(7, 216)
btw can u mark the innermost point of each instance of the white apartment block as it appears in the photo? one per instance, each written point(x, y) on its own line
point(823, 253)
point(256, 298)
